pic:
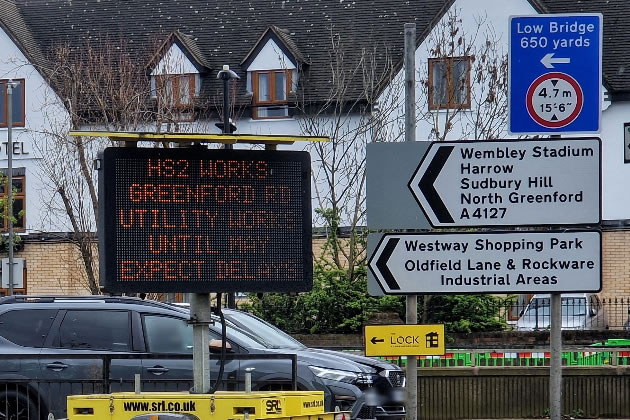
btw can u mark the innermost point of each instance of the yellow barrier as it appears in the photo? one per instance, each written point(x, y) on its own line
point(297, 405)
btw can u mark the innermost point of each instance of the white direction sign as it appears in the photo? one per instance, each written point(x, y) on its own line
point(510, 183)
point(502, 262)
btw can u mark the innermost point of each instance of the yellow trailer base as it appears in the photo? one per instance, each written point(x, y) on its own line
point(297, 405)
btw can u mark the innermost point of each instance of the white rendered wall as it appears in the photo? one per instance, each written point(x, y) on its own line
point(174, 62)
point(271, 57)
point(615, 173)
point(39, 110)
point(478, 17)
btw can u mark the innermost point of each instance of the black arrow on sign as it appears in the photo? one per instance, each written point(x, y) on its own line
point(381, 264)
point(374, 340)
point(428, 179)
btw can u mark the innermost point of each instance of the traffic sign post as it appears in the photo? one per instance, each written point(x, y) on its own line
point(404, 340)
point(555, 79)
point(555, 74)
point(510, 183)
point(499, 262)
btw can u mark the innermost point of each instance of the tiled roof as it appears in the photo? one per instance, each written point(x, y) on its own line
point(12, 20)
point(288, 40)
point(616, 42)
point(225, 30)
point(190, 42)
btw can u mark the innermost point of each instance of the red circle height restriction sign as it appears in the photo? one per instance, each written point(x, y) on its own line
point(554, 100)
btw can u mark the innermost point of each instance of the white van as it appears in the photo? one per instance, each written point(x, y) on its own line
point(580, 311)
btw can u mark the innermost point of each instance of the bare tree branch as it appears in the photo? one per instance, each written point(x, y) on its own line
point(348, 114)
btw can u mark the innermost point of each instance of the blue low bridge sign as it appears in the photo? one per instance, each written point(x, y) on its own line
point(555, 70)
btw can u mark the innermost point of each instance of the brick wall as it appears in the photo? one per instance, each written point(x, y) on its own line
point(53, 268)
point(616, 263)
point(320, 243)
point(616, 271)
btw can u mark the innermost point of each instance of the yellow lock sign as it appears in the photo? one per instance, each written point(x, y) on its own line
point(404, 340)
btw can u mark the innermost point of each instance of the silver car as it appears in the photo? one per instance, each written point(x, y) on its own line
point(580, 311)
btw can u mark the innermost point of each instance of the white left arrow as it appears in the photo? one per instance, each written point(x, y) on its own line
point(548, 60)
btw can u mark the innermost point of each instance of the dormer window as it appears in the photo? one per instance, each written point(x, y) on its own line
point(175, 72)
point(272, 73)
point(270, 89)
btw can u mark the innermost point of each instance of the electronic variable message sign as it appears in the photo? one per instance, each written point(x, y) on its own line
point(200, 221)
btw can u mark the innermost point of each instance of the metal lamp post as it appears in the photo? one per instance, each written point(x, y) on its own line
point(200, 316)
point(10, 85)
point(226, 75)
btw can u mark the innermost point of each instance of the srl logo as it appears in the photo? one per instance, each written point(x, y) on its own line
point(273, 407)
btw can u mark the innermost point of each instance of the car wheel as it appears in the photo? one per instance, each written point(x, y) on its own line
point(14, 405)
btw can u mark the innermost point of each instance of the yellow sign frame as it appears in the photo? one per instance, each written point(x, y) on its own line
point(404, 340)
point(131, 136)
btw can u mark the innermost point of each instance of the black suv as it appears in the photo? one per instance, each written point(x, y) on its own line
point(51, 347)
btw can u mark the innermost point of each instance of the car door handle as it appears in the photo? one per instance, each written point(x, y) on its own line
point(56, 366)
point(158, 370)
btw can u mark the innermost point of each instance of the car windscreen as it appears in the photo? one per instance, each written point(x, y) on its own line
point(242, 338)
point(179, 338)
point(261, 331)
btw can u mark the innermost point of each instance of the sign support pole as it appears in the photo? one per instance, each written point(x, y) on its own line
point(555, 374)
point(226, 75)
point(410, 134)
point(10, 85)
point(200, 318)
